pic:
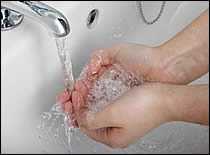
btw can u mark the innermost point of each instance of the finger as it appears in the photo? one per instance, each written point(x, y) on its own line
point(95, 64)
point(104, 57)
point(87, 83)
point(63, 97)
point(102, 70)
point(81, 87)
point(108, 56)
point(77, 101)
point(72, 122)
point(68, 107)
point(105, 118)
point(93, 78)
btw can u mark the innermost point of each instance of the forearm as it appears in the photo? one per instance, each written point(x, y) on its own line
point(189, 103)
point(186, 56)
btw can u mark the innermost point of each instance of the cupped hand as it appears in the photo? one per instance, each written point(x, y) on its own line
point(136, 112)
point(130, 117)
point(142, 61)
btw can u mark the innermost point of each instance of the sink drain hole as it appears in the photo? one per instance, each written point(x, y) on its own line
point(92, 18)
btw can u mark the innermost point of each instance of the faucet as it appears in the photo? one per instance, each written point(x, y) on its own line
point(49, 17)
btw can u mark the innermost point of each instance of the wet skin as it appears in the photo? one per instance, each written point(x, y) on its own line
point(73, 101)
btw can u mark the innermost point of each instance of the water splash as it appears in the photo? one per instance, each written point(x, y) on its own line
point(54, 129)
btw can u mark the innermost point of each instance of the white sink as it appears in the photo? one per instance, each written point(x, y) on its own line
point(31, 73)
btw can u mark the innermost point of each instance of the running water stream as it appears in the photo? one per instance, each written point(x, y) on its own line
point(54, 125)
point(64, 54)
point(65, 59)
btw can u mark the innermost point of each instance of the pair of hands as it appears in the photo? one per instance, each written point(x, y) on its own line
point(136, 112)
point(148, 106)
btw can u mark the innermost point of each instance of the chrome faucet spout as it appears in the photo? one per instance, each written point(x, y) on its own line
point(51, 18)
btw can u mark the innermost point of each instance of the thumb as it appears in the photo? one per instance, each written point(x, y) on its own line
point(103, 119)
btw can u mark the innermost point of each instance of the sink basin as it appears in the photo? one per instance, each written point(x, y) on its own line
point(31, 74)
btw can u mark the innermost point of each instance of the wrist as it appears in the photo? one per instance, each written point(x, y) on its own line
point(161, 101)
point(173, 66)
point(166, 103)
point(187, 103)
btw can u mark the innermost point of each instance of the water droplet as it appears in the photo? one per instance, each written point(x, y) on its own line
point(152, 147)
point(46, 115)
point(56, 108)
point(117, 33)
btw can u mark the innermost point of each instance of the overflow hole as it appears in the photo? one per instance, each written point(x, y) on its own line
point(92, 18)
